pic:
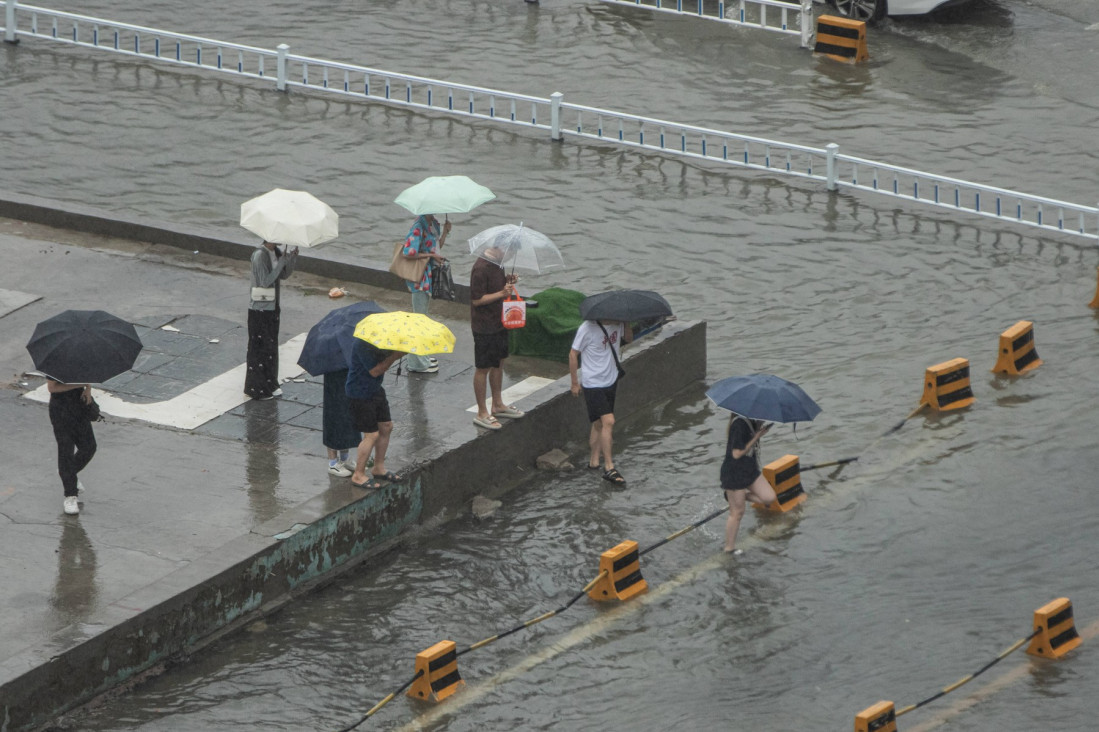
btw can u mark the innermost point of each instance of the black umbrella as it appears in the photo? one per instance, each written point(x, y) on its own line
point(625, 305)
point(84, 346)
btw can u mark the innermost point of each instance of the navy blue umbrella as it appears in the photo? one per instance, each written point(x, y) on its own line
point(329, 342)
point(764, 397)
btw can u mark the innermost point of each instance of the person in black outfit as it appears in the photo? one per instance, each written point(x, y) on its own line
point(75, 438)
point(740, 473)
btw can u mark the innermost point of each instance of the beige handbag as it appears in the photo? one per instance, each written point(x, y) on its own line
point(405, 268)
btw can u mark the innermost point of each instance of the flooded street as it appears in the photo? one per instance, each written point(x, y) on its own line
point(902, 573)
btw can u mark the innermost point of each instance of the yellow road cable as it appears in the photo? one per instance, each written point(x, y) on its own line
point(381, 704)
point(994, 687)
point(966, 679)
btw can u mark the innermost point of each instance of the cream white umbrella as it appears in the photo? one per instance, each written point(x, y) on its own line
point(293, 218)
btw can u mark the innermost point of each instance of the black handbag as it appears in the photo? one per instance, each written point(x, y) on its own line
point(91, 410)
point(442, 283)
point(621, 371)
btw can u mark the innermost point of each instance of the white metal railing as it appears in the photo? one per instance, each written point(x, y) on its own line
point(825, 165)
point(794, 17)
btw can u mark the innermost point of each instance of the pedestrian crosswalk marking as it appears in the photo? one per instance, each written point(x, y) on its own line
point(515, 392)
point(199, 405)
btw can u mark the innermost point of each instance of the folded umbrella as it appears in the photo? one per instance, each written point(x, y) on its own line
point(625, 305)
point(84, 346)
point(405, 332)
point(765, 397)
point(294, 218)
point(328, 344)
point(444, 194)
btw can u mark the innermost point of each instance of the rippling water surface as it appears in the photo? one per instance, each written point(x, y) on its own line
point(904, 572)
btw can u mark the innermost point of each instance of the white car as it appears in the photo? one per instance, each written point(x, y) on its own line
point(873, 10)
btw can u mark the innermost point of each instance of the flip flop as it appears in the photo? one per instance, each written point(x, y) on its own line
point(509, 412)
point(388, 476)
point(369, 485)
point(613, 476)
point(489, 422)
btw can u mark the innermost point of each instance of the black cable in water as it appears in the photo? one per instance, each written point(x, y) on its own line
point(966, 679)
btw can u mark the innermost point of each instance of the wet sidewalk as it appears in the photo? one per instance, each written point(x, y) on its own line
point(159, 500)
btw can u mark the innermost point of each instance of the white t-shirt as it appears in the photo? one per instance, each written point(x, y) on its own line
point(597, 368)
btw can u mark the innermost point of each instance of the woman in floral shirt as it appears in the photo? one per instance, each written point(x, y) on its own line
point(425, 239)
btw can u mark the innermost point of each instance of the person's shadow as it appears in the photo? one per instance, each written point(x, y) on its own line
point(74, 592)
point(261, 461)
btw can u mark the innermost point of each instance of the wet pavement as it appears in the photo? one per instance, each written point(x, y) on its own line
point(159, 498)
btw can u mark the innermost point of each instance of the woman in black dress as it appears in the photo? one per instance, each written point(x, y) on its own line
point(740, 473)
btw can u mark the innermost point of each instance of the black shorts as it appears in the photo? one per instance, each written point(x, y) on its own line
point(489, 349)
point(366, 414)
point(600, 400)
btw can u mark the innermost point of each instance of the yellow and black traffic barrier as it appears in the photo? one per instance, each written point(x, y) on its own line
point(1095, 300)
point(1017, 353)
point(784, 475)
point(946, 386)
point(619, 574)
point(1055, 630)
point(881, 717)
point(439, 678)
point(842, 39)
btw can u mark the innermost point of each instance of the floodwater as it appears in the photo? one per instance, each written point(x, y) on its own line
point(904, 572)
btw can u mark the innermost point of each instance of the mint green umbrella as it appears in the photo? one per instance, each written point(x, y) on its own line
point(444, 194)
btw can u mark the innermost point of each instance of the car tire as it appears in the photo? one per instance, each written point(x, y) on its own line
point(870, 11)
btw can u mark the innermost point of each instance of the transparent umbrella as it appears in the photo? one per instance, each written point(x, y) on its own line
point(517, 248)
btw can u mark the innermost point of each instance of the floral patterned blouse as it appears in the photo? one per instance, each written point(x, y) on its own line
point(423, 239)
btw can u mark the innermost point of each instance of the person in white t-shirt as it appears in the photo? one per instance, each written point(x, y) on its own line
point(592, 347)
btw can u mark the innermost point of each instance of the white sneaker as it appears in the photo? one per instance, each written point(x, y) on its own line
point(432, 368)
point(349, 464)
point(79, 486)
point(71, 506)
point(277, 392)
point(339, 470)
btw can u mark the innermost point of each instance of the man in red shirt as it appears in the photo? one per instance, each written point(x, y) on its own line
point(488, 287)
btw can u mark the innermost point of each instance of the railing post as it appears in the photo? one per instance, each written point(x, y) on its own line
point(281, 76)
point(555, 115)
point(9, 22)
point(806, 23)
point(830, 168)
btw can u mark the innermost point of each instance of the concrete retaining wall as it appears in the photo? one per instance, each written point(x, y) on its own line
point(94, 221)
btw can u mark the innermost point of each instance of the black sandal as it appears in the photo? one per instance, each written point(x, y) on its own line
point(613, 476)
point(369, 485)
point(388, 476)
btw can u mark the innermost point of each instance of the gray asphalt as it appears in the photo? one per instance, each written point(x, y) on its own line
point(158, 499)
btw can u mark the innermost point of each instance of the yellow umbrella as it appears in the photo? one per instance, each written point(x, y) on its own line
point(405, 332)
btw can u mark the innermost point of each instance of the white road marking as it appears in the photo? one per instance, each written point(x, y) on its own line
point(515, 392)
point(199, 405)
